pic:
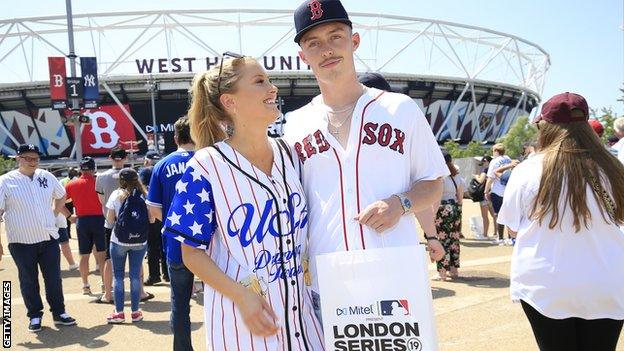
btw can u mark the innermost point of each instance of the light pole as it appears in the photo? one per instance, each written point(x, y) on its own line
point(152, 87)
point(75, 103)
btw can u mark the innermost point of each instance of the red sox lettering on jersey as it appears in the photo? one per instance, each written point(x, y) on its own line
point(390, 146)
point(254, 227)
point(384, 136)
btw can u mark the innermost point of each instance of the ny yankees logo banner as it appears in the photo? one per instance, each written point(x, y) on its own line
point(88, 66)
point(369, 303)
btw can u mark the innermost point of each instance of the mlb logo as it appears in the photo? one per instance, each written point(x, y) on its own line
point(394, 308)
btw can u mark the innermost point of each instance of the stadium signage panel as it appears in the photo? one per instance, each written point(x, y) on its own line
point(197, 64)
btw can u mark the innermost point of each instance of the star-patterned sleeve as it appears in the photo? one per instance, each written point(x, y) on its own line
point(191, 218)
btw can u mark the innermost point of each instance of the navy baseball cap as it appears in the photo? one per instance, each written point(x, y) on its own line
point(152, 155)
point(87, 164)
point(24, 148)
point(311, 13)
point(375, 80)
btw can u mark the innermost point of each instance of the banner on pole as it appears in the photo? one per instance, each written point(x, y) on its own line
point(58, 93)
point(88, 67)
point(377, 299)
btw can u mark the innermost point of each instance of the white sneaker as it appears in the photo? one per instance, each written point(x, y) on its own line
point(498, 242)
point(73, 267)
point(508, 242)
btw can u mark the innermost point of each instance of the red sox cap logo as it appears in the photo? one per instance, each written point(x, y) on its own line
point(315, 8)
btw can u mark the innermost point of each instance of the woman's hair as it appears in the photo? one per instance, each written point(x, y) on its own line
point(574, 157)
point(207, 117)
point(129, 186)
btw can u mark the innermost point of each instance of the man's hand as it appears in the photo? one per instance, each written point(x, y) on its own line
point(488, 197)
point(436, 251)
point(73, 218)
point(381, 215)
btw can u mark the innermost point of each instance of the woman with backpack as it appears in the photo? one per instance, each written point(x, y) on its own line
point(566, 205)
point(448, 220)
point(128, 211)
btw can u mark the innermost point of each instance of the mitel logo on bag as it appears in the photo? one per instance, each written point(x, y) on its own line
point(398, 307)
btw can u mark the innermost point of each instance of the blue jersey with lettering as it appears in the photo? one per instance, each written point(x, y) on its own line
point(162, 187)
point(254, 227)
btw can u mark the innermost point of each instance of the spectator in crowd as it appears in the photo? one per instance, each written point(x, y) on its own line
point(30, 199)
point(494, 189)
point(163, 186)
point(566, 205)
point(72, 173)
point(448, 220)
point(612, 140)
point(156, 261)
point(61, 224)
point(105, 184)
point(130, 222)
point(618, 129)
point(485, 205)
point(597, 127)
point(89, 220)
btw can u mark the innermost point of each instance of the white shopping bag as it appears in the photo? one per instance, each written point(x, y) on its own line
point(377, 299)
point(476, 226)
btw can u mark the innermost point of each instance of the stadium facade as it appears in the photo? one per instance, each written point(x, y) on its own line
point(471, 82)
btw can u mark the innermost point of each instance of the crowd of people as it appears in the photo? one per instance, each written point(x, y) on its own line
point(230, 193)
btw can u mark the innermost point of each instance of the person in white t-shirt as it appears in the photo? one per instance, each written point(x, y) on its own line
point(131, 246)
point(566, 205)
point(494, 189)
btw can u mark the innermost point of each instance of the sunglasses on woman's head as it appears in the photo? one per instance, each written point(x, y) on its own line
point(232, 55)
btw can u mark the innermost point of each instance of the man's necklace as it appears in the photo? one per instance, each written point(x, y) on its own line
point(336, 126)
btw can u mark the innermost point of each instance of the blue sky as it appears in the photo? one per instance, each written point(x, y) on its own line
point(584, 39)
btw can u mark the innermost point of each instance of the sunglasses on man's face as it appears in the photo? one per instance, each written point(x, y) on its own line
point(232, 55)
point(30, 159)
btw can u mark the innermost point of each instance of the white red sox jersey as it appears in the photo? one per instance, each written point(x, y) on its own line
point(390, 147)
point(254, 227)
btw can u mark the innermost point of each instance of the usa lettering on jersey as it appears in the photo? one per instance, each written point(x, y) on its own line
point(253, 226)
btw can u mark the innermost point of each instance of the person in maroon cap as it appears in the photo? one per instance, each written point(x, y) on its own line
point(566, 205)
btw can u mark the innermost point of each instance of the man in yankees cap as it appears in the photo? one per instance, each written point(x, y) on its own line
point(370, 160)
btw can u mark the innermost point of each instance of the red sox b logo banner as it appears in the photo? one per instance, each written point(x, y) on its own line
point(315, 8)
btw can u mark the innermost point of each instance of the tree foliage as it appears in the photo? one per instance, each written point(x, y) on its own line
point(7, 164)
point(520, 133)
point(474, 148)
point(606, 116)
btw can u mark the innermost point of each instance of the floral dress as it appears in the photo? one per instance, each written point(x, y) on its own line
point(448, 226)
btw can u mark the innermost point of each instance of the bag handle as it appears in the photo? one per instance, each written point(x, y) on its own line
point(606, 198)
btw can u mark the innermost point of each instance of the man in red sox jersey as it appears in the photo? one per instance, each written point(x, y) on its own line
point(242, 216)
point(369, 158)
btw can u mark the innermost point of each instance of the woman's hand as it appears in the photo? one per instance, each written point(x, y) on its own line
point(436, 250)
point(257, 313)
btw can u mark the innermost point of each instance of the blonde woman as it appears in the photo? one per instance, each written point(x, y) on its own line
point(241, 215)
point(566, 205)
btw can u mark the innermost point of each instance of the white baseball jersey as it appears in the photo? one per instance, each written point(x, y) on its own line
point(390, 147)
point(254, 227)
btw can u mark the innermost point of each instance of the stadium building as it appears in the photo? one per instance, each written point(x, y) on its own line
point(471, 82)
